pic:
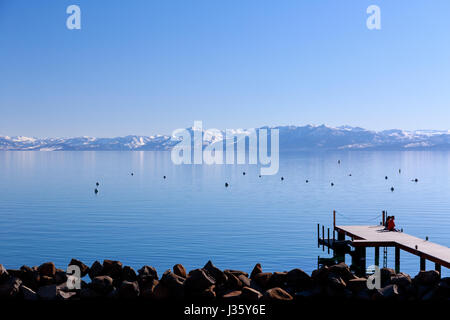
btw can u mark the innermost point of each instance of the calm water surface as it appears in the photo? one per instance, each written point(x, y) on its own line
point(49, 212)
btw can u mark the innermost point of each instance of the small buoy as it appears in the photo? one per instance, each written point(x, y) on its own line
point(97, 184)
point(332, 184)
point(307, 181)
point(416, 180)
point(260, 176)
point(243, 173)
point(132, 174)
point(226, 184)
point(339, 161)
point(96, 191)
point(392, 189)
point(164, 177)
point(282, 178)
point(350, 175)
point(386, 177)
point(399, 170)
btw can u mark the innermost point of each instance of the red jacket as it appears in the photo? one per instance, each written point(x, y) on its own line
point(391, 225)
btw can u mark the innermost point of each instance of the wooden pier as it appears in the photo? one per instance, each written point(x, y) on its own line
point(363, 237)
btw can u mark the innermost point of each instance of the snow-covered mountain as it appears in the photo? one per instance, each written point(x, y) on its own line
point(291, 138)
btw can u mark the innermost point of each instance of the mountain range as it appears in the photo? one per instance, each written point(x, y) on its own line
point(299, 138)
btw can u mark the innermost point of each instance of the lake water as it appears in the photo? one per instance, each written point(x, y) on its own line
point(49, 212)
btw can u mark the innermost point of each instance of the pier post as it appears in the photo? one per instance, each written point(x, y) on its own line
point(318, 235)
point(397, 259)
point(339, 252)
point(334, 220)
point(328, 229)
point(377, 256)
point(323, 238)
point(359, 261)
point(437, 267)
point(384, 217)
point(422, 264)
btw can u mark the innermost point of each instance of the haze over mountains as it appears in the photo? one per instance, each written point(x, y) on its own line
point(291, 138)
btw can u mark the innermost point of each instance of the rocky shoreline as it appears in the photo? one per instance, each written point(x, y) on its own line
point(111, 280)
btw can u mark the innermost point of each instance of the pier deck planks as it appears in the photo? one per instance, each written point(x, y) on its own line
point(375, 236)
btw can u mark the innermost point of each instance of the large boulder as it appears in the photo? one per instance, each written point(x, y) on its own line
point(128, 274)
point(102, 284)
point(388, 292)
point(161, 292)
point(335, 282)
point(232, 295)
point(174, 283)
point(60, 276)
point(358, 284)
point(262, 279)
point(4, 275)
point(277, 294)
point(237, 273)
point(112, 268)
point(84, 269)
point(179, 270)
point(320, 275)
point(278, 279)
point(28, 294)
point(218, 275)
point(256, 269)
point(427, 278)
point(250, 294)
point(10, 288)
point(95, 270)
point(147, 274)
point(298, 279)
point(47, 269)
point(233, 281)
point(129, 290)
point(198, 280)
point(245, 280)
point(386, 275)
point(343, 271)
point(48, 292)
point(30, 277)
point(147, 289)
point(402, 280)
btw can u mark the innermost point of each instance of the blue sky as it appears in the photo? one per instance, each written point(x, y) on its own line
point(144, 67)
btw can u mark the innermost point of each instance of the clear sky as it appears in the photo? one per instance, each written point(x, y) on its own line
point(145, 67)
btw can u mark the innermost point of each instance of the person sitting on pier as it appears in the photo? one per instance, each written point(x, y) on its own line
point(391, 224)
point(386, 223)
